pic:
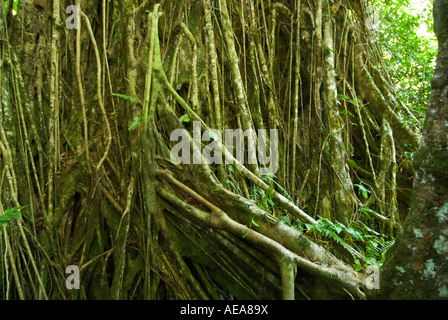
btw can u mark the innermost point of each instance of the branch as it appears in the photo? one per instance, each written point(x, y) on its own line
point(287, 260)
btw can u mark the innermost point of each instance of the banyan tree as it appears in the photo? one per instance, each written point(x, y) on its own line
point(92, 93)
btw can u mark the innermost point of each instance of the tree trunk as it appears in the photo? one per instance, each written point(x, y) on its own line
point(416, 267)
point(91, 116)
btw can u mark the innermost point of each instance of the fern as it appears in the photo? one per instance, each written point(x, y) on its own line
point(368, 242)
point(126, 97)
point(270, 178)
point(263, 199)
point(331, 230)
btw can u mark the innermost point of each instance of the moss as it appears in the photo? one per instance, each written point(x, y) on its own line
point(303, 241)
point(418, 233)
point(400, 269)
point(443, 292)
point(442, 214)
point(441, 245)
point(433, 158)
point(429, 271)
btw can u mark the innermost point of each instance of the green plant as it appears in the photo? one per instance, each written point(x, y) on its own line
point(409, 50)
point(265, 199)
point(234, 186)
point(126, 97)
point(138, 118)
point(12, 213)
point(371, 244)
point(262, 199)
point(333, 231)
point(363, 190)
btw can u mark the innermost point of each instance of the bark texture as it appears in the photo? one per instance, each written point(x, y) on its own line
point(85, 137)
point(416, 267)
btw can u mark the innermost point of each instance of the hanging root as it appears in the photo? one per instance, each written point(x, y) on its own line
point(94, 164)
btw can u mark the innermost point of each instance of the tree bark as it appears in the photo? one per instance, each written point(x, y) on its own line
point(86, 123)
point(416, 267)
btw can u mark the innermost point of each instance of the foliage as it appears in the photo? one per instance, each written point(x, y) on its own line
point(409, 48)
point(265, 200)
point(370, 243)
point(137, 197)
point(12, 213)
point(126, 97)
point(362, 190)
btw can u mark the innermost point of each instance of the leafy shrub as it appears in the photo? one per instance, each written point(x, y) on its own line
point(368, 242)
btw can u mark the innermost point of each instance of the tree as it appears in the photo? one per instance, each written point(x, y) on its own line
point(410, 50)
point(86, 131)
point(416, 266)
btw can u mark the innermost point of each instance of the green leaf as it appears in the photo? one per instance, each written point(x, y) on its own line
point(343, 96)
point(185, 118)
point(309, 226)
point(9, 214)
point(15, 215)
point(338, 229)
point(233, 185)
point(126, 97)
point(4, 219)
point(269, 192)
point(347, 113)
point(365, 192)
point(129, 81)
point(352, 149)
point(353, 163)
point(366, 211)
point(8, 211)
point(254, 222)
